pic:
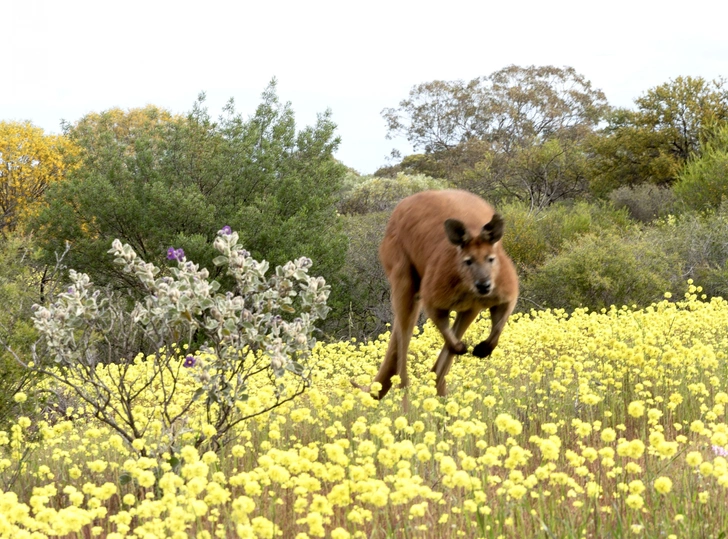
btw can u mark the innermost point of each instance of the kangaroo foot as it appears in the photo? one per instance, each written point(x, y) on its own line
point(484, 349)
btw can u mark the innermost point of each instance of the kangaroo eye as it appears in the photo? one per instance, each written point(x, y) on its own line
point(491, 259)
point(468, 261)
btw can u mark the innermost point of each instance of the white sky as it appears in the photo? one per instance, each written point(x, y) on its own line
point(63, 59)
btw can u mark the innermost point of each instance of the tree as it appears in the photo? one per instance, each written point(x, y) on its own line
point(538, 175)
point(155, 180)
point(534, 104)
point(624, 154)
point(30, 161)
point(439, 115)
point(475, 134)
point(685, 108)
point(652, 143)
point(511, 107)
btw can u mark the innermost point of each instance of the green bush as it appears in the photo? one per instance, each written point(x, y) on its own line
point(599, 270)
point(530, 238)
point(703, 182)
point(367, 287)
point(699, 241)
point(523, 239)
point(383, 194)
point(644, 202)
point(21, 281)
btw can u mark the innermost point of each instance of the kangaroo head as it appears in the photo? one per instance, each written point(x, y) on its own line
point(477, 257)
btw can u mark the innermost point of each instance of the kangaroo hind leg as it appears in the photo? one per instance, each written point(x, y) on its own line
point(405, 284)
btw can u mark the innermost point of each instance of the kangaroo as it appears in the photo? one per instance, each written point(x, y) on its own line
point(442, 249)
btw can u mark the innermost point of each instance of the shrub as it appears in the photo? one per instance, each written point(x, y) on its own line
point(699, 241)
point(531, 237)
point(644, 202)
point(264, 329)
point(597, 271)
point(368, 289)
point(383, 194)
point(703, 182)
point(20, 285)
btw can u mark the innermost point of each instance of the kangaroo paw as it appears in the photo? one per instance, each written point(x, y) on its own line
point(459, 349)
point(483, 349)
point(366, 389)
point(359, 386)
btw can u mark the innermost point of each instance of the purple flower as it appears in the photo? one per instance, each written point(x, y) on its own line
point(226, 231)
point(190, 361)
point(175, 254)
point(720, 451)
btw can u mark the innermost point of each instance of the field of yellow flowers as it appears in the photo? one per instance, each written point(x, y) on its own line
point(584, 424)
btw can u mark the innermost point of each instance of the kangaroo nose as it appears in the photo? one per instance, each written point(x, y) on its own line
point(483, 287)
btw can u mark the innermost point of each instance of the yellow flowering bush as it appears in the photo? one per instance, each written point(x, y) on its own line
point(583, 424)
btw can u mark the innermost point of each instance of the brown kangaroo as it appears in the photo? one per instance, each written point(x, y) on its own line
point(443, 249)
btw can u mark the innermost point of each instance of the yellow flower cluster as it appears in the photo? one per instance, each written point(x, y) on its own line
point(578, 425)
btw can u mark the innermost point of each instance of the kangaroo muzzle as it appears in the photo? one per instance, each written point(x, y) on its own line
point(484, 287)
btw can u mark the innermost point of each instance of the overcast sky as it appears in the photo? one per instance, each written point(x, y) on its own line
point(63, 59)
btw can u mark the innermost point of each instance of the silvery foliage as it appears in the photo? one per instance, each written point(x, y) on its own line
point(265, 326)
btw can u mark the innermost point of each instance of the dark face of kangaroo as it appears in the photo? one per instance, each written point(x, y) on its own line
point(476, 255)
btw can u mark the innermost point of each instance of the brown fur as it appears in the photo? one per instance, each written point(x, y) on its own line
point(429, 239)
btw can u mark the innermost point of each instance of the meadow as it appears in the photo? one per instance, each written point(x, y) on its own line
point(581, 424)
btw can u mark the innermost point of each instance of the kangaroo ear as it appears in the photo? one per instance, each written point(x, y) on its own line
point(493, 231)
point(456, 232)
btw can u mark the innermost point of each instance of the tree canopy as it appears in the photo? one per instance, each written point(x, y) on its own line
point(508, 134)
point(155, 180)
point(511, 107)
point(30, 161)
point(651, 143)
